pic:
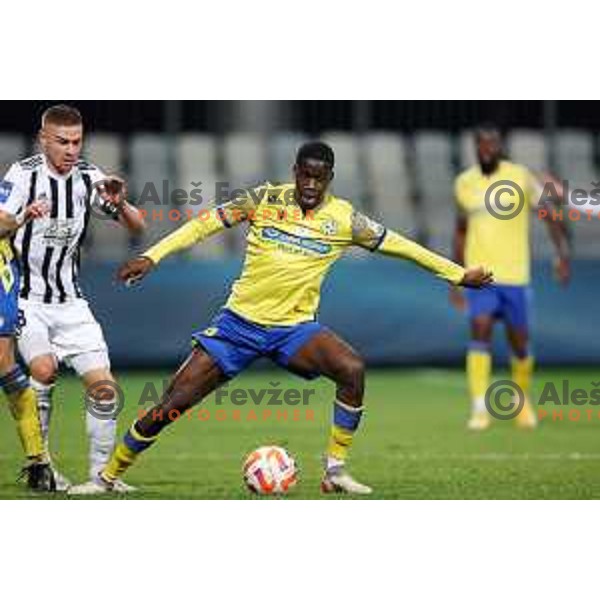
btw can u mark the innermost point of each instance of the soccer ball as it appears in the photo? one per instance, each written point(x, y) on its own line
point(269, 470)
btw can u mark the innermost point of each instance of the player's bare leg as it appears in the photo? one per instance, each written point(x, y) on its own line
point(522, 371)
point(330, 356)
point(479, 367)
point(196, 378)
point(23, 406)
point(43, 370)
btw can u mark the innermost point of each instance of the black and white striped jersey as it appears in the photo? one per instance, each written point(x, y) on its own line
point(49, 248)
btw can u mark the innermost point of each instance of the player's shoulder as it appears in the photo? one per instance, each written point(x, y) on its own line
point(85, 165)
point(340, 206)
point(31, 163)
point(469, 174)
point(516, 169)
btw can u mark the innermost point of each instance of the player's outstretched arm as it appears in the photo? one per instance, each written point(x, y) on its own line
point(186, 236)
point(9, 223)
point(113, 199)
point(374, 236)
point(395, 244)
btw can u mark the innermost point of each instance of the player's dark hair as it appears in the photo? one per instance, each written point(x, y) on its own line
point(316, 151)
point(487, 127)
point(61, 114)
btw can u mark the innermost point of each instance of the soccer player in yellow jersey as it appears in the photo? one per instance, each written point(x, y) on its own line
point(296, 232)
point(496, 233)
point(13, 380)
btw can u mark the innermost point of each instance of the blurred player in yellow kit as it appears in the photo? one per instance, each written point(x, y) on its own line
point(296, 233)
point(496, 233)
point(13, 380)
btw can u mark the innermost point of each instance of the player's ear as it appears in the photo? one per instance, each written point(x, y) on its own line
point(42, 138)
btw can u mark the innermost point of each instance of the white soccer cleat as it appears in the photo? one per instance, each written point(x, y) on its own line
point(479, 421)
point(98, 486)
point(337, 480)
point(120, 487)
point(62, 483)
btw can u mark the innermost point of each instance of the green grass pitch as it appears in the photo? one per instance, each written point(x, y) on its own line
point(413, 443)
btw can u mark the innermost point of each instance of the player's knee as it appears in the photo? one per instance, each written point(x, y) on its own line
point(43, 371)
point(352, 372)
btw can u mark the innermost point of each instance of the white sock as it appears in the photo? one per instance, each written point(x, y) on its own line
point(479, 405)
point(332, 463)
point(102, 434)
point(43, 393)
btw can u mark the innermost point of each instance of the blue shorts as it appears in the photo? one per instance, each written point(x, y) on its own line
point(509, 303)
point(9, 298)
point(234, 342)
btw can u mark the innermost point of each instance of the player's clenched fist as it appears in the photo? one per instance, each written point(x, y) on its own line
point(135, 270)
point(476, 277)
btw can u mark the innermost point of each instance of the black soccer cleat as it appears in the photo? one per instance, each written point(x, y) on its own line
point(39, 477)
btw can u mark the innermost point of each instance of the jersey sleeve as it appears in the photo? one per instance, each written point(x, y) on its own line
point(366, 232)
point(227, 215)
point(13, 192)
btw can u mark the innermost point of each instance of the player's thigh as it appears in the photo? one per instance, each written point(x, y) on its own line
point(74, 331)
point(196, 378)
point(482, 307)
point(516, 309)
point(33, 338)
point(329, 355)
point(7, 354)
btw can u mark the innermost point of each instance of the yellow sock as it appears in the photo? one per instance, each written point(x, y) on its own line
point(346, 420)
point(479, 367)
point(339, 443)
point(522, 371)
point(23, 406)
point(125, 453)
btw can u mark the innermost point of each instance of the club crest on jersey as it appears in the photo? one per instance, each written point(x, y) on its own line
point(330, 227)
point(5, 190)
point(210, 332)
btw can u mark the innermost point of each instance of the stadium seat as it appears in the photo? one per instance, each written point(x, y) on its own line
point(435, 180)
point(245, 156)
point(528, 148)
point(149, 168)
point(12, 148)
point(389, 182)
point(348, 182)
point(467, 153)
point(575, 157)
point(196, 161)
point(282, 153)
point(106, 151)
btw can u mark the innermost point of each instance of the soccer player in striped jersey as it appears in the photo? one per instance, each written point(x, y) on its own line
point(13, 380)
point(296, 233)
point(498, 235)
point(58, 325)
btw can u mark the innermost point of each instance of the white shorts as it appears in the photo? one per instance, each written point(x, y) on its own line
point(68, 331)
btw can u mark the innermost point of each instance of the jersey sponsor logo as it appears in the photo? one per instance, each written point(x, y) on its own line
point(60, 232)
point(330, 227)
point(6, 188)
point(289, 239)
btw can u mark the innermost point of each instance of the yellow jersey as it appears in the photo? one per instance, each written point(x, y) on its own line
point(289, 252)
point(499, 244)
